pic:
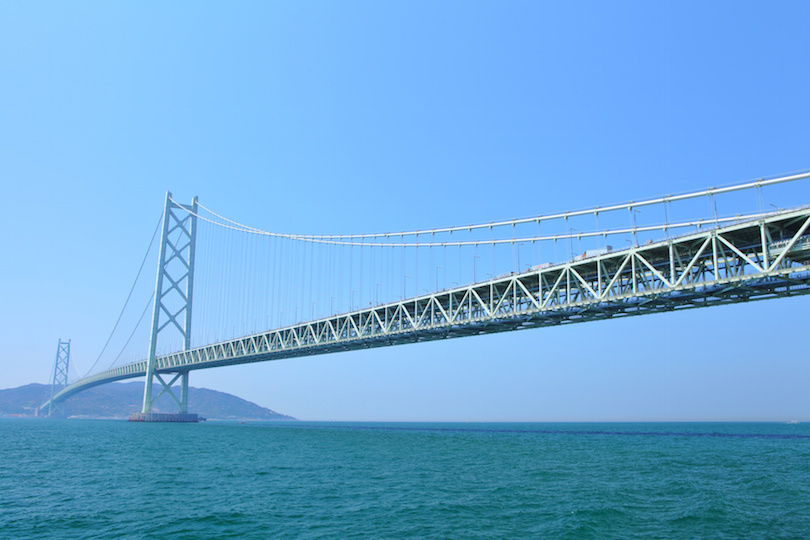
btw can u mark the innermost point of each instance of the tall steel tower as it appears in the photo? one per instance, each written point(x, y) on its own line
point(173, 294)
point(60, 370)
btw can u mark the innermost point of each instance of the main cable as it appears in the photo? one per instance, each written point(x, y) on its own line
point(129, 296)
point(143, 314)
point(711, 192)
point(610, 232)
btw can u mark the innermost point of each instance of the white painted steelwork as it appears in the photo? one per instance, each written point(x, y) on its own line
point(60, 371)
point(348, 239)
point(173, 294)
point(753, 260)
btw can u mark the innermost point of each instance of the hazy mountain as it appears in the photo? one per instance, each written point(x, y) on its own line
point(119, 400)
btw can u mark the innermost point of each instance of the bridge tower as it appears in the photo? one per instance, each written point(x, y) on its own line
point(60, 370)
point(173, 297)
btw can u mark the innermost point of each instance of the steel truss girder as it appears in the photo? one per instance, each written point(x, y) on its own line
point(755, 260)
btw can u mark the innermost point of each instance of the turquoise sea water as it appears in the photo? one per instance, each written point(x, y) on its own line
point(109, 479)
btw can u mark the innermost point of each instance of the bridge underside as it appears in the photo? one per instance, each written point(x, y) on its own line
point(754, 260)
point(250, 350)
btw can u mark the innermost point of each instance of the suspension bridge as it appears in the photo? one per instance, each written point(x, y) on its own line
point(306, 294)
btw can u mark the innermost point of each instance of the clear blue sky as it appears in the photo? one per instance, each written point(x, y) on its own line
point(337, 117)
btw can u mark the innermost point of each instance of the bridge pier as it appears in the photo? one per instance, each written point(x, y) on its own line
point(164, 417)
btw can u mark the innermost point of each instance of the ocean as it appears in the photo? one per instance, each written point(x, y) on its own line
point(113, 479)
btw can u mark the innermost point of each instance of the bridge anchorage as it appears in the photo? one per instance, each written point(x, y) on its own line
point(670, 265)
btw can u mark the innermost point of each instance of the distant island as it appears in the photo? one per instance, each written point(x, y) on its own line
point(119, 400)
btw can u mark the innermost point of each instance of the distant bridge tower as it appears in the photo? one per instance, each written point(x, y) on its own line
point(173, 295)
point(60, 370)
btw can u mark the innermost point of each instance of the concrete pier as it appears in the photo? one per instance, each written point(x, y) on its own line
point(164, 417)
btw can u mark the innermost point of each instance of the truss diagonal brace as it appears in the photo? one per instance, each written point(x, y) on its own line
point(180, 219)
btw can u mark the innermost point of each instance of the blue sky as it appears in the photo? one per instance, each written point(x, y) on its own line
point(326, 117)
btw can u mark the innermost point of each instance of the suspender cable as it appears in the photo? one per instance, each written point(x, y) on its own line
point(129, 296)
point(576, 213)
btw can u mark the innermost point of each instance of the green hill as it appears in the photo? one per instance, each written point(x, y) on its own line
point(119, 400)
